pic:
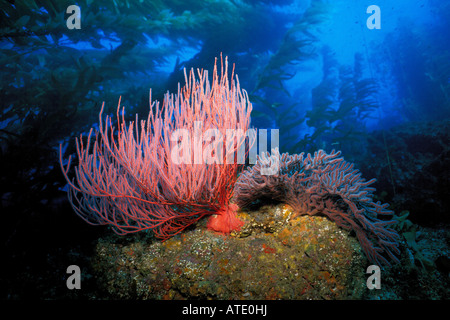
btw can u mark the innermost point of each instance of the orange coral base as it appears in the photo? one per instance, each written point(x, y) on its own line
point(225, 220)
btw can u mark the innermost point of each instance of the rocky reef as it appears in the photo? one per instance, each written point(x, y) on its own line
point(272, 257)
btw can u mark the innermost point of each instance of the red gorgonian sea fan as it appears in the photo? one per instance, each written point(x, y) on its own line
point(323, 184)
point(171, 170)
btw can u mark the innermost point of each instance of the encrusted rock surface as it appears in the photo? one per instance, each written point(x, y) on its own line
point(274, 256)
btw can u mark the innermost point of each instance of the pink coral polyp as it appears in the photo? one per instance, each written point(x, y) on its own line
point(225, 220)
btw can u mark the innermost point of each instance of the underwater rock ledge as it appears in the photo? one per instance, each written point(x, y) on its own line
point(272, 257)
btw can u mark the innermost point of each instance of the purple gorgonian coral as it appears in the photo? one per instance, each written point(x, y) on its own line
point(323, 184)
